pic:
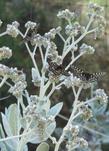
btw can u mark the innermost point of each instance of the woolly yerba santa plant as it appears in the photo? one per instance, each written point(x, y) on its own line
point(35, 122)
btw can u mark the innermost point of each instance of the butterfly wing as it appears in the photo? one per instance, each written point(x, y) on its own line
point(96, 76)
point(88, 77)
point(76, 71)
point(54, 68)
point(85, 76)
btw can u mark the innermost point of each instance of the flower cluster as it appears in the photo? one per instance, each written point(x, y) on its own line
point(72, 81)
point(31, 110)
point(80, 142)
point(18, 77)
point(86, 112)
point(12, 29)
point(39, 40)
point(73, 140)
point(12, 73)
point(99, 32)
point(95, 9)
point(5, 52)
point(97, 12)
point(66, 14)
point(74, 30)
point(52, 47)
point(31, 25)
point(101, 96)
point(86, 49)
point(40, 119)
point(18, 88)
point(52, 33)
point(72, 130)
point(52, 51)
point(75, 81)
point(4, 70)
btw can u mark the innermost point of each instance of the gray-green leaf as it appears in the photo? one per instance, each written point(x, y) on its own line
point(54, 111)
point(43, 147)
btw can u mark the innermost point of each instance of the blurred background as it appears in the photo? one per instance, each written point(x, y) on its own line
point(44, 12)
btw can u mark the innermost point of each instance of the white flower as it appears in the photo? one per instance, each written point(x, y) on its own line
point(39, 40)
point(87, 49)
point(86, 112)
point(83, 143)
point(95, 8)
point(18, 88)
point(12, 30)
point(5, 52)
point(73, 29)
point(75, 130)
point(30, 25)
point(16, 75)
point(66, 14)
point(52, 46)
point(52, 51)
point(52, 33)
point(16, 24)
point(99, 32)
point(4, 70)
point(72, 81)
point(76, 81)
point(77, 142)
point(67, 82)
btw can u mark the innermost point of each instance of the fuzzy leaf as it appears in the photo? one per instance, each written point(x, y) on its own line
point(13, 118)
point(54, 111)
point(6, 125)
point(40, 135)
point(43, 147)
point(50, 129)
point(34, 74)
point(46, 106)
point(2, 134)
point(9, 143)
point(2, 146)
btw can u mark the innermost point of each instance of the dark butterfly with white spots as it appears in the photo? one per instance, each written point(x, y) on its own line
point(85, 76)
point(56, 69)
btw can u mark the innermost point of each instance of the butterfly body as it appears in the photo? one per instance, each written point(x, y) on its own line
point(55, 68)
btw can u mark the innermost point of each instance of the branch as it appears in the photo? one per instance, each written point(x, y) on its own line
point(70, 119)
point(79, 39)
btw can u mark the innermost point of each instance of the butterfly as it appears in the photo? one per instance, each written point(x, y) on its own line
point(55, 69)
point(85, 76)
